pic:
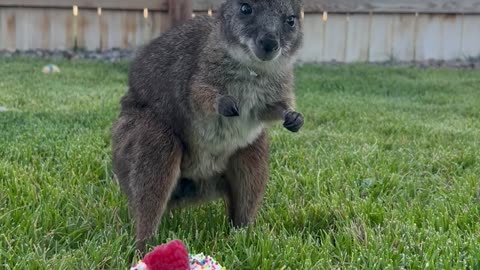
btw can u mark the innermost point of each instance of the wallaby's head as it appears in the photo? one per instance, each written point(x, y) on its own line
point(264, 30)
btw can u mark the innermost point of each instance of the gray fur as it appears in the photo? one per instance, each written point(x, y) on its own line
point(192, 125)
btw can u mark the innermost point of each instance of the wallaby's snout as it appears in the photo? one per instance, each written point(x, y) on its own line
point(268, 46)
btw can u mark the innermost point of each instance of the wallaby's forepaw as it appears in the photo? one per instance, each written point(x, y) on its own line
point(227, 106)
point(293, 121)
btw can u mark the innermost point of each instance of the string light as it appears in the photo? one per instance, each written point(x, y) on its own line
point(210, 12)
point(99, 11)
point(302, 14)
point(193, 15)
point(325, 16)
point(75, 10)
point(145, 13)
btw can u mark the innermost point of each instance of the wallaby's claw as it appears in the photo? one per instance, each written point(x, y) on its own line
point(227, 106)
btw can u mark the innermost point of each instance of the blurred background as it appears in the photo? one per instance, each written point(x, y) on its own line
point(335, 30)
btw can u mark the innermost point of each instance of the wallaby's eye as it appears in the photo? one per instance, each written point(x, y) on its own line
point(291, 20)
point(246, 9)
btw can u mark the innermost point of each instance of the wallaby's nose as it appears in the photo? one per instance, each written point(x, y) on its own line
point(268, 43)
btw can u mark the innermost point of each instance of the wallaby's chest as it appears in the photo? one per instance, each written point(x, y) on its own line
point(217, 138)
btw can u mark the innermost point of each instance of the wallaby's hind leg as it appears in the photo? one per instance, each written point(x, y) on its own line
point(153, 177)
point(247, 176)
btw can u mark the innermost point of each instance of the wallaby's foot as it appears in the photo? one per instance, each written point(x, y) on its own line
point(227, 106)
point(140, 246)
point(293, 121)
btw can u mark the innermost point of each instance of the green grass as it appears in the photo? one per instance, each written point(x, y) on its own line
point(385, 174)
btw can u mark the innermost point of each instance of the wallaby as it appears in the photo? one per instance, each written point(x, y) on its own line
point(192, 126)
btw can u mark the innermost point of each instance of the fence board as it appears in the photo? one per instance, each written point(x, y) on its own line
point(112, 29)
point(19, 27)
point(358, 38)
point(22, 24)
point(381, 38)
point(179, 11)
point(335, 38)
point(61, 30)
point(403, 47)
point(471, 36)
point(147, 29)
point(125, 29)
point(160, 23)
point(391, 6)
point(88, 30)
point(8, 29)
point(381, 6)
point(428, 38)
point(103, 32)
point(439, 37)
point(339, 6)
point(314, 38)
point(402, 37)
point(93, 4)
point(129, 30)
point(207, 4)
point(143, 29)
point(452, 37)
point(39, 29)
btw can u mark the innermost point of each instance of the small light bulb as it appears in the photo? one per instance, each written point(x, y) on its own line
point(145, 13)
point(99, 11)
point(325, 16)
point(210, 12)
point(75, 10)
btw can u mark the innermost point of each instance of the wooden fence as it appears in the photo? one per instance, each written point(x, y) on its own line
point(335, 30)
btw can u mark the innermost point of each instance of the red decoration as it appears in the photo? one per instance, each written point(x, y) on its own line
point(170, 256)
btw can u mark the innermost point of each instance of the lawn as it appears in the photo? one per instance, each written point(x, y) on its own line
point(384, 175)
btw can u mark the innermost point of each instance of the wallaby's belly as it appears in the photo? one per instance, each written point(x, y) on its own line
point(215, 142)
